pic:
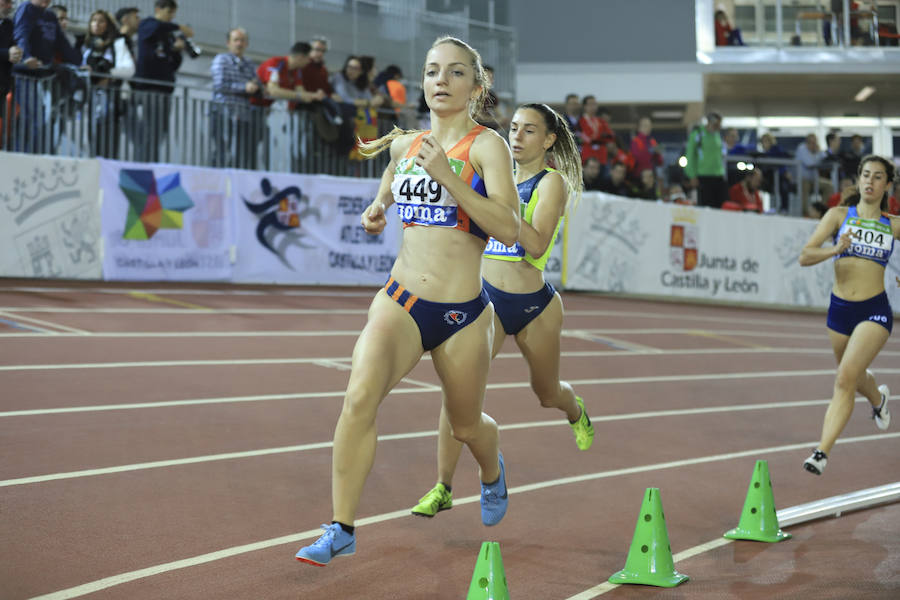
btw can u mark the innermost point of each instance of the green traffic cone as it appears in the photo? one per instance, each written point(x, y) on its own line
point(758, 520)
point(650, 557)
point(488, 580)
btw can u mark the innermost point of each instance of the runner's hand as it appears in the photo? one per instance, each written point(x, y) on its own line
point(432, 158)
point(842, 244)
point(373, 219)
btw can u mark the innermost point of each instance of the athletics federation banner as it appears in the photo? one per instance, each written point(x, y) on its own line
point(165, 222)
point(50, 225)
point(305, 229)
point(639, 247)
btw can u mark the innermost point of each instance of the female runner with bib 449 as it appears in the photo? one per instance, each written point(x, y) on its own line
point(525, 305)
point(450, 201)
point(860, 318)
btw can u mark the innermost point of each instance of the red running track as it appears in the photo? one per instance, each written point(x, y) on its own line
point(174, 442)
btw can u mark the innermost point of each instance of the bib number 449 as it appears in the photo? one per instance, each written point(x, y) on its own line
point(430, 192)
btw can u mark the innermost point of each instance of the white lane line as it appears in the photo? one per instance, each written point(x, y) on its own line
point(606, 586)
point(344, 361)
point(435, 388)
point(108, 582)
point(330, 293)
point(193, 312)
point(694, 331)
point(46, 324)
point(399, 436)
point(191, 334)
point(363, 311)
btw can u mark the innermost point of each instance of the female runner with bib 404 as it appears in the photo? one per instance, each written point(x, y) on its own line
point(859, 316)
point(450, 201)
point(525, 305)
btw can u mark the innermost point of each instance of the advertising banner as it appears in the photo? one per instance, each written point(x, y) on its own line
point(305, 229)
point(637, 247)
point(51, 217)
point(165, 222)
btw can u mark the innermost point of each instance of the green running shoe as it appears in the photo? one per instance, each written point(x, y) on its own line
point(582, 428)
point(438, 499)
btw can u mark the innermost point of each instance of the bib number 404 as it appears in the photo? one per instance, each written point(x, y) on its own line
point(430, 192)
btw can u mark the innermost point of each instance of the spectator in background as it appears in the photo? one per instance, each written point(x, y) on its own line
point(235, 126)
point(855, 154)
point(616, 184)
point(894, 198)
point(705, 166)
point(128, 19)
point(616, 154)
point(744, 195)
point(109, 60)
point(282, 78)
point(595, 130)
point(785, 180)
point(725, 34)
point(314, 74)
point(647, 154)
point(37, 32)
point(10, 54)
point(359, 106)
point(160, 44)
point(572, 112)
point(389, 84)
point(647, 187)
point(732, 146)
point(62, 17)
point(810, 156)
point(493, 114)
point(833, 156)
point(593, 175)
point(845, 189)
point(676, 195)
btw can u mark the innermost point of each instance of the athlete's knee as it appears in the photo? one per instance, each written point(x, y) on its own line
point(848, 378)
point(361, 402)
point(464, 433)
point(548, 395)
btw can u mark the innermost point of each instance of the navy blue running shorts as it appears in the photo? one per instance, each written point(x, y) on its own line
point(845, 315)
point(518, 310)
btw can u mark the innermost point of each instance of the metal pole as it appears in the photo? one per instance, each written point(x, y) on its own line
point(779, 24)
point(846, 36)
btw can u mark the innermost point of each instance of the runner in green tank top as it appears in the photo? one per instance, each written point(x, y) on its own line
point(526, 306)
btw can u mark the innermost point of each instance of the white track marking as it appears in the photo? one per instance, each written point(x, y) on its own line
point(399, 436)
point(343, 362)
point(108, 582)
point(47, 324)
point(363, 311)
point(426, 387)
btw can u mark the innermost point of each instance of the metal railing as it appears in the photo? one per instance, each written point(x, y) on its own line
point(807, 22)
point(783, 179)
point(71, 113)
point(393, 31)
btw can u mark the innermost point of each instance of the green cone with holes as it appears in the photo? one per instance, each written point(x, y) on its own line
point(488, 580)
point(649, 560)
point(758, 520)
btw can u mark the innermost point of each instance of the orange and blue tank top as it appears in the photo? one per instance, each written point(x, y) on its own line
point(423, 201)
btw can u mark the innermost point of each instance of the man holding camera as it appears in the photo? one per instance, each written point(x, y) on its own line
point(37, 32)
point(160, 43)
point(235, 125)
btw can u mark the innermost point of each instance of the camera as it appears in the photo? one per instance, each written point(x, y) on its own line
point(96, 59)
point(190, 48)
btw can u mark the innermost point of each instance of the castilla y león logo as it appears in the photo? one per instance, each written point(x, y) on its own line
point(153, 204)
point(683, 245)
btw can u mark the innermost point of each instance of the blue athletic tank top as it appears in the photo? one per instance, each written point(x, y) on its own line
point(870, 239)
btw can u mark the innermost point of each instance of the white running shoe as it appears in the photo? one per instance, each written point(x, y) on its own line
point(881, 414)
point(815, 464)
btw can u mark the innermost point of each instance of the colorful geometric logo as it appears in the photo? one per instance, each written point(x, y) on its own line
point(152, 204)
point(683, 246)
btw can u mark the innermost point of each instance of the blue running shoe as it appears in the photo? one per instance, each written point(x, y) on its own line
point(494, 498)
point(334, 542)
